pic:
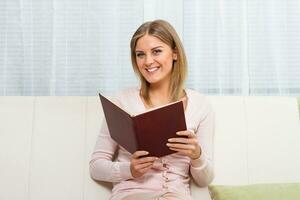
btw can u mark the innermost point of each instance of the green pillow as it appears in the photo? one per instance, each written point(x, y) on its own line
point(284, 191)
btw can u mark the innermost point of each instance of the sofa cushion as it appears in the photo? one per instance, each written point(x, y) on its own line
point(299, 105)
point(286, 191)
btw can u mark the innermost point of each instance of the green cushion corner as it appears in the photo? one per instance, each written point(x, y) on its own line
point(279, 191)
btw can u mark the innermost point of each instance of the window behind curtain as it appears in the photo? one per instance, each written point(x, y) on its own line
point(66, 47)
point(81, 47)
point(274, 47)
point(243, 47)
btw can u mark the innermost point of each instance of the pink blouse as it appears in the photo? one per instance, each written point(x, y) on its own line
point(170, 173)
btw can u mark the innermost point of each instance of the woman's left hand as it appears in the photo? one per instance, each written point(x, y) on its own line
point(187, 146)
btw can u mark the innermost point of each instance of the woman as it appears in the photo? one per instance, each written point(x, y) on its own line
point(159, 60)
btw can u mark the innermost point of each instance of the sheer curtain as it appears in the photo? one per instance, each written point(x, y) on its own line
point(215, 36)
point(243, 47)
point(274, 47)
point(66, 47)
point(81, 47)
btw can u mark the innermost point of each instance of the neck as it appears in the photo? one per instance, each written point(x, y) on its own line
point(160, 92)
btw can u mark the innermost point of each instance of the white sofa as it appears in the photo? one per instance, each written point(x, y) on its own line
point(46, 143)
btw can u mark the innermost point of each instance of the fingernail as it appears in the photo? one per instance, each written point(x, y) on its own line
point(168, 144)
point(170, 140)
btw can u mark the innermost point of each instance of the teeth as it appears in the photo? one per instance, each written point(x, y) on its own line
point(152, 69)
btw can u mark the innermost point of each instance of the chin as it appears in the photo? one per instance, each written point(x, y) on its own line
point(151, 82)
point(154, 80)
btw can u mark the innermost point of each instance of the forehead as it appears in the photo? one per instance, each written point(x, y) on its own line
point(149, 42)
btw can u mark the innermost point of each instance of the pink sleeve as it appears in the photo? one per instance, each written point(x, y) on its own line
point(202, 168)
point(102, 167)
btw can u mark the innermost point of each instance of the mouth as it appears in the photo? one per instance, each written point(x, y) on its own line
point(152, 69)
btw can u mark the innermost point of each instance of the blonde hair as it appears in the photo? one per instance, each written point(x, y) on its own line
point(167, 34)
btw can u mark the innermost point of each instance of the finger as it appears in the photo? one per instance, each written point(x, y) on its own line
point(183, 140)
point(178, 140)
point(146, 159)
point(137, 154)
point(181, 146)
point(143, 171)
point(139, 167)
point(182, 151)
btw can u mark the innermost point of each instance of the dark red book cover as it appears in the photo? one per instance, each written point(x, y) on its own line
point(148, 131)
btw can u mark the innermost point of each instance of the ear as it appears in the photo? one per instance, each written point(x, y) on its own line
point(174, 54)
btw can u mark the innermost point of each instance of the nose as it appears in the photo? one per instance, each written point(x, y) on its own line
point(149, 60)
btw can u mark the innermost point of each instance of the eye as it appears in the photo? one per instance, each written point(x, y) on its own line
point(139, 54)
point(157, 51)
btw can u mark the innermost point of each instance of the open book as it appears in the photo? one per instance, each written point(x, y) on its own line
point(148, 131)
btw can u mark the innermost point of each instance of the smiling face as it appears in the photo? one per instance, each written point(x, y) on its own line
point(154, 59)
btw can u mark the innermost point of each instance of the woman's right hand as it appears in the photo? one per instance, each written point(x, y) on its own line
point(140, 165)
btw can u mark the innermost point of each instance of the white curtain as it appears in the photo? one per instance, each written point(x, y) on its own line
point(248, 47)
point(66, 47)
point(81, 47)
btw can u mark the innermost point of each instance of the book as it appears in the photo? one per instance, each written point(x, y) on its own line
point(148, 131)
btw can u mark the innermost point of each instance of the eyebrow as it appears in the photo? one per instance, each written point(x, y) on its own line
point(151, 49)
